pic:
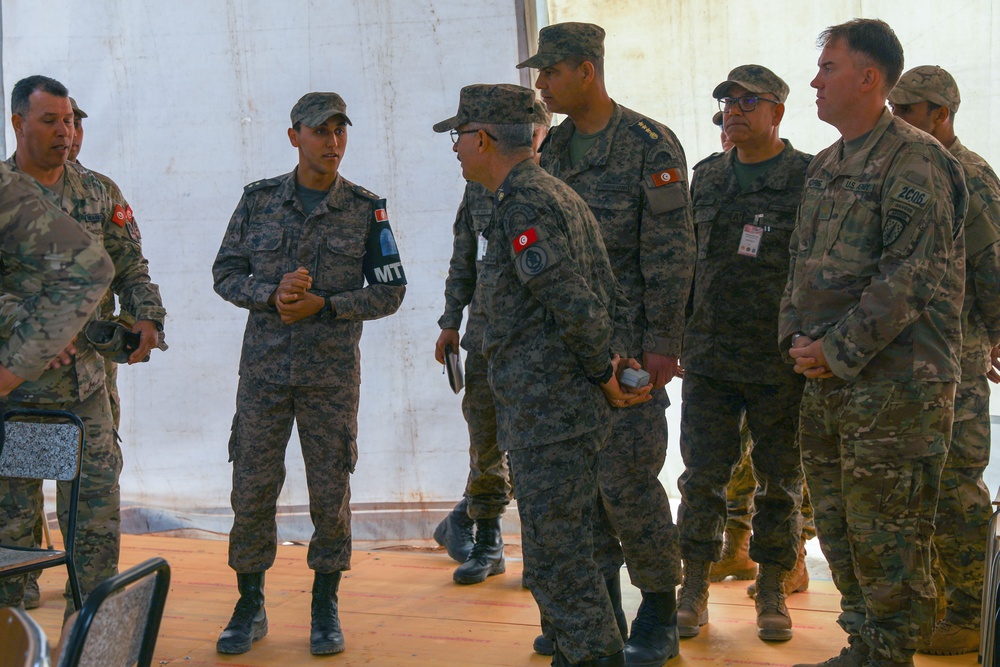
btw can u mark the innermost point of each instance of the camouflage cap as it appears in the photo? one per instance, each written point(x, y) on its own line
point(717, 118)
point(559, 41)
point(500, 103)
point(542, 115)
point(755, 79)
point(77, 111)
point(313, 109)
point(927, 83)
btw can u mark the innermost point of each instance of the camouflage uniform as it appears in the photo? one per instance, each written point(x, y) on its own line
point(549, 297)
point(633, 179)
point(309, 371)
point(488, 488)
point(732, 366)
point(877, 273)
point(79, 388)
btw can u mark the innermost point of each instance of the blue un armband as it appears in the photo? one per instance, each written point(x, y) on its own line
point(382, 265)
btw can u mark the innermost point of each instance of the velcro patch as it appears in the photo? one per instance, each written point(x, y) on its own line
point(381, 215)
point(857, 186)
point(119, 216)
point(910, 194)
point(664, 177)
point(816, 183)
point(538, 257)
point(896, 221)
point(524, 240)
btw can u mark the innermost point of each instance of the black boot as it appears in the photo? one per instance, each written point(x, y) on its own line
point(486, 558)
point(249, 621)
point(454, 532)
point(616, 660)
point(544, 645)
point(654, 637)
point(326, 636)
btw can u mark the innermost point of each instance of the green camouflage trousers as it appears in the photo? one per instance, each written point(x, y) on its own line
point(634, 524)
point(556, 490)
point(488, 488)
point(711, 449)
point(964, 509)
point(327, 426)
point(98, 530)
point(873, 454)
point(739, 493)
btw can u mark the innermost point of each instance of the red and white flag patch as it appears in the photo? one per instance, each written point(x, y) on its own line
point(120, 216)
point(665, 177)
point(524, 240)
point(381, 215)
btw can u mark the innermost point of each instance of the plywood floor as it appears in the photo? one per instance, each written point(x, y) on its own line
point(399, 606)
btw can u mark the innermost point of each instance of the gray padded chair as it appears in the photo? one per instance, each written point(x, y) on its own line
point(120, 620)
point(43, 444)
point(22, 640)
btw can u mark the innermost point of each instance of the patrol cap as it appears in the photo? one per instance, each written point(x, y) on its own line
point(930, 83)
point(755, 79)
point(542, 115)
point(498, 103)
point(558, 42)
point(77, 111)
point(313, 109)
point(112, 340)
point(717, 118)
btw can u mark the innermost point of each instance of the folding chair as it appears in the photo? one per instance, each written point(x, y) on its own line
point(120, 620)
point(49, 445)
point(22, 640)
point(988, 645)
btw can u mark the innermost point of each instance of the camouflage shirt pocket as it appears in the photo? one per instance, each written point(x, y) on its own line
point(264, 243)
point(854, 244)
point(704, 217)
point(341, 264)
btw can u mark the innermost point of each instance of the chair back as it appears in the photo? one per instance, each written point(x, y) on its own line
point(119, 622)
point(22, 640)
point(41, 450)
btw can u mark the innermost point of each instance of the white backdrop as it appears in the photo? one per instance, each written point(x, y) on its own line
point(189, 101)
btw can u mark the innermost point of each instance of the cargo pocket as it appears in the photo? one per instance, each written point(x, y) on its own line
point(350, 450)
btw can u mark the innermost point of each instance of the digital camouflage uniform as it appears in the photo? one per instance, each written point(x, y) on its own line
point(634, 180)
point(549, 297)
point(488, 488)
point(732, 365)
point(964, 502)
point(877, 273)
point(79, 388)
point(309, 371)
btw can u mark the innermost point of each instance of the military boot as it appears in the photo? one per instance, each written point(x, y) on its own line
point(455, 532)
point(735, 560)
point(544, 645)
point(249, 621)
point(692, 604)
point(947, 639)
point(326, 636)
point(855, 654)
point(32, 596)
point(486, 557)
point(774, 624)
point(616, 660)
point(797, 580)
point(654, 637)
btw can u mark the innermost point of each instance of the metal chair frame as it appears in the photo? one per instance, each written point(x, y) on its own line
point(49, 557)
point(24, 642)
point(988, 644)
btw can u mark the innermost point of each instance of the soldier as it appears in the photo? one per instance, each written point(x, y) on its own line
point(927, 97)
point(487, 491)
point(43, 126)
point(871, 316)
point(744, 206)
point(631, 171)
point(301, 361)
point(551, 302)
point(723, 138)
point(55, 270)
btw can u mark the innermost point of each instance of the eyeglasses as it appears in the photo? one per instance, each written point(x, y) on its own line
point(747, 103)
point(455, 134)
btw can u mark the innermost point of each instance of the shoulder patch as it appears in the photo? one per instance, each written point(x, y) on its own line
point(363, 193)
point(518, 215)
point(665, 177)
point(260, 185)
point(646, 130)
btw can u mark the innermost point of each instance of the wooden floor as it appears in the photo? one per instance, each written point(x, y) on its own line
point(399, 606)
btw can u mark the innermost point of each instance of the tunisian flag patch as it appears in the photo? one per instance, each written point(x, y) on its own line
point(381, 215)
point(666, 176)
point(524, 240)
point(121, 215)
